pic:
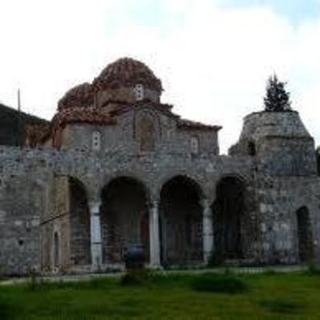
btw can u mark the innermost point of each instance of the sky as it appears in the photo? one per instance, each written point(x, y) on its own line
point(213, 56)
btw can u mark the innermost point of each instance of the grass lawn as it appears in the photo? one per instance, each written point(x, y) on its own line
point(262, 296)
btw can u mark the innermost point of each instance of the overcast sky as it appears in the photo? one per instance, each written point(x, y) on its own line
point(213, 56)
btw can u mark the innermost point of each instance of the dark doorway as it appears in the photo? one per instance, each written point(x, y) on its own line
point(304, 235)
point(56, 250)
point(125, 218)
point(251, 148)
point(181, 222)
point(80, 223)
point(228, 211)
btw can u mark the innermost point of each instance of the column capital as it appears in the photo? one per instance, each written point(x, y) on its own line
point(94, 206)
point(153, 203)
point(204, 202)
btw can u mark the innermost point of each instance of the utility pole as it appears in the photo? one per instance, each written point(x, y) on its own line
point(19, 100)
point(19, 139)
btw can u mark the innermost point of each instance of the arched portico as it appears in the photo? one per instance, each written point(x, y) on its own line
point(124, 218)
point(228, 213)
point(79, 223)
point(181, 224)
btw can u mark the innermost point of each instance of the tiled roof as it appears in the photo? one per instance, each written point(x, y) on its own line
point(127, 72)
point(82, 115)
point(188, 124)
point(81, 96)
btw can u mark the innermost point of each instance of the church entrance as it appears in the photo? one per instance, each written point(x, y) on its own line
point(124, 218)
point(181, 222)
point(228, 210)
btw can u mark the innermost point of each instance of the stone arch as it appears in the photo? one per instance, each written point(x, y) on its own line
point(304, 234)
point(193, 178)
point(80, 253)
point(228, 215)
point(124, 217)
point(181, 221)
point(132, 175)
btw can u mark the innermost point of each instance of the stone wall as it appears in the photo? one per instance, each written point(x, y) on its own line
point(279, 199)
point(36, 204)
point(28, 191)
point(124, 137)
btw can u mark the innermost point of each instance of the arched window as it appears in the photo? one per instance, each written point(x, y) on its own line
point(146, 133)
point(96, 141)
point(139, 92)
point(251, 149)
point(194, 145)
point(56, 250)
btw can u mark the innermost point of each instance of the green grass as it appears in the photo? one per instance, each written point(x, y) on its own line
point(266, 296)
point(219, 283)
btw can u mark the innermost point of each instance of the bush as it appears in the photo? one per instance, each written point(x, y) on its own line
point(220, 284)
point(215, 260)
point(136, 277)
point(35, 281)
point(313, 269)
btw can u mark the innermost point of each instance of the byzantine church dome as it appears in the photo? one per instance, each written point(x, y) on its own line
point(122, 82)
point(127, 72)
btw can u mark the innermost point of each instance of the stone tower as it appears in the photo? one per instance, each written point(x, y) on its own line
point(286, 184)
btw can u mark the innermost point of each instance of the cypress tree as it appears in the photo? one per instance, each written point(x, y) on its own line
point(277, 99)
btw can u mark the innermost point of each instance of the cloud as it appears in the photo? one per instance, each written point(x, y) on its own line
point(213, 60)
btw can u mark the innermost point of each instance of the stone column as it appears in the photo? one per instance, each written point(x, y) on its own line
point(154, 234)
point(207, 230)
point(95, 236)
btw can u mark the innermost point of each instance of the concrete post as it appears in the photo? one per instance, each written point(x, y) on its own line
point(95, 236)
point(207, 230)
point(154, 234)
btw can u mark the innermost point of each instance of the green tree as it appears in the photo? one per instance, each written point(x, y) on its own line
point(277, 99)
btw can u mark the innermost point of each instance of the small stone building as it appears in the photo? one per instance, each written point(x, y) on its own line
point(116, 167)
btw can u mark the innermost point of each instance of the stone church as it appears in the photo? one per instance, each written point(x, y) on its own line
point(116, 167)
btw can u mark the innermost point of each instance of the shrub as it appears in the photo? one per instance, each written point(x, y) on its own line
point(215, 260)
point(136, 277)
point(313, 268)
point(35, 281)
point(220, 284)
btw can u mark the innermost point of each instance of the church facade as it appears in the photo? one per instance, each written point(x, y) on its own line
point(116, 167)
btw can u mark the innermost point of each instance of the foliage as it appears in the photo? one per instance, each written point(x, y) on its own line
point(277, 98)
point(35, 280)
point(219, 284)
point(313, 268)
point(136, 277)
point(215, 260)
